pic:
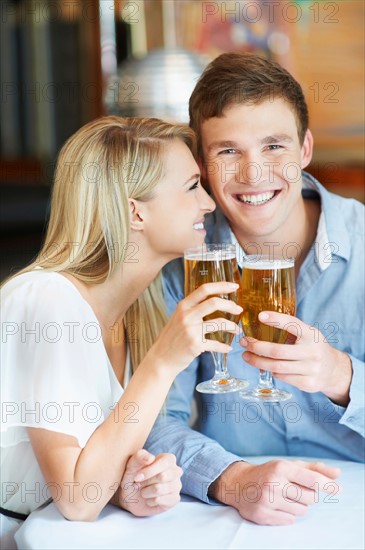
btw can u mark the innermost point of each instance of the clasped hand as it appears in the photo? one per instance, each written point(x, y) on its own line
point(150, 485)
point(310, 363)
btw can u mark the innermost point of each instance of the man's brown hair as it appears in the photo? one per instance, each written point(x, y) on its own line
point(239, 78)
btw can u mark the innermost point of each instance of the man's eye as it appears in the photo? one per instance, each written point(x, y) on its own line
point(227, 152)
point(274, 147)
point(194, 186)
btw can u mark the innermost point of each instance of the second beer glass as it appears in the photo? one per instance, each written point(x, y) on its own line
point(268, 283)
point(211, 263)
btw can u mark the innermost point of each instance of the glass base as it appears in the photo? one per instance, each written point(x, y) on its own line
point(222, 385)
point(264, 394)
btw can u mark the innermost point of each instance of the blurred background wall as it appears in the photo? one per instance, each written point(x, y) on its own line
point(65, 62)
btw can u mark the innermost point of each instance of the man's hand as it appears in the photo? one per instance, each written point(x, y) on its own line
point(310, 363)
point(150, 484)
point(276, 492)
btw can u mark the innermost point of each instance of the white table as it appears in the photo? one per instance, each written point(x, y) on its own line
point(335, 522)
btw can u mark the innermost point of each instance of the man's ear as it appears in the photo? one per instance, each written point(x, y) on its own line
point(307, 149)
point(136, 215)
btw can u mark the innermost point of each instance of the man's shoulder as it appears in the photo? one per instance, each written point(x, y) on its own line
point(345, 219)
point(336, 207)
point(173, 277)
point(173, 268)
point(352, 212)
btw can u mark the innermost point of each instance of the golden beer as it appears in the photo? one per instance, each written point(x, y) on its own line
point(211, 267)
point(267, 285)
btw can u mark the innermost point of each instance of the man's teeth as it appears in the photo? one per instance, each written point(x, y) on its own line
point(199, 225)
point(256, 199)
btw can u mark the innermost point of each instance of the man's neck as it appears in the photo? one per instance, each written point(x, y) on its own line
point(295, 239)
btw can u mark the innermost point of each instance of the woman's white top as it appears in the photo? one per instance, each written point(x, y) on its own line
point(55, 374)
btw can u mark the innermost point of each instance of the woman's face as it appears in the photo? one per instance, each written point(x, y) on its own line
point(173, 219)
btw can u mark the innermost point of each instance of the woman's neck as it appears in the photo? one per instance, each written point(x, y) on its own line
point(111, 299)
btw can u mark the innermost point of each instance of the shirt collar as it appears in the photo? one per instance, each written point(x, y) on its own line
point(332, 237)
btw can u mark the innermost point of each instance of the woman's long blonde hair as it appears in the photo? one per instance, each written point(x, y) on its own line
point(99, 168)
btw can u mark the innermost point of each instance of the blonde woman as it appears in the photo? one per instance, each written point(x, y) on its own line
point(80, 319)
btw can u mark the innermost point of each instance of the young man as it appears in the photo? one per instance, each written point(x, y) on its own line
point(252, 125)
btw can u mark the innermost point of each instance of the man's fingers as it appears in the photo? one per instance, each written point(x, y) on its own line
point(293, 507)
point(273, 350)
point(308, 497)
point(270, 516)
point(275, 366)
point(291, 324)
point(247, 341)
point(329, 471)
point(316, 476)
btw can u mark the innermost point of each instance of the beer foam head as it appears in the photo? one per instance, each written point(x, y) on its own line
point(259, 262)
point(208, 254)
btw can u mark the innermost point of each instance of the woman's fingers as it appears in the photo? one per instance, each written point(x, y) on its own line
point(208, 289)
point(211, 327)
point(161, 486)
point(210, 316)
point(155, 471)
point(220, 324)
point(186, 335)
point(162, 489)
point(162, 503)
point(138, 460)
point(216, 304)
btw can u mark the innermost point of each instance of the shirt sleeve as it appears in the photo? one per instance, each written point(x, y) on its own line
point(201, 458)
point(52, 360)
point(354, 415)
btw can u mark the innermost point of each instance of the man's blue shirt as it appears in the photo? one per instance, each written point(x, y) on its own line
point(330, 297)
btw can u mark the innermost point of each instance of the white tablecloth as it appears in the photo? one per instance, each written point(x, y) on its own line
point(335, 522)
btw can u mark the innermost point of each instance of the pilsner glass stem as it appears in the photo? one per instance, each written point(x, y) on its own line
point(220, 365)
point(266, 380)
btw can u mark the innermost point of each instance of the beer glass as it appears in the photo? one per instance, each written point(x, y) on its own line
point(210, 263)
point(268, 283)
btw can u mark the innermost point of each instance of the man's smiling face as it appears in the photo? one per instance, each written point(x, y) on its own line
point(253, 164)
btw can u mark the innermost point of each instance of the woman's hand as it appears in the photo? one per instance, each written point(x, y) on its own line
point(184, 336)
point(150, 485)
